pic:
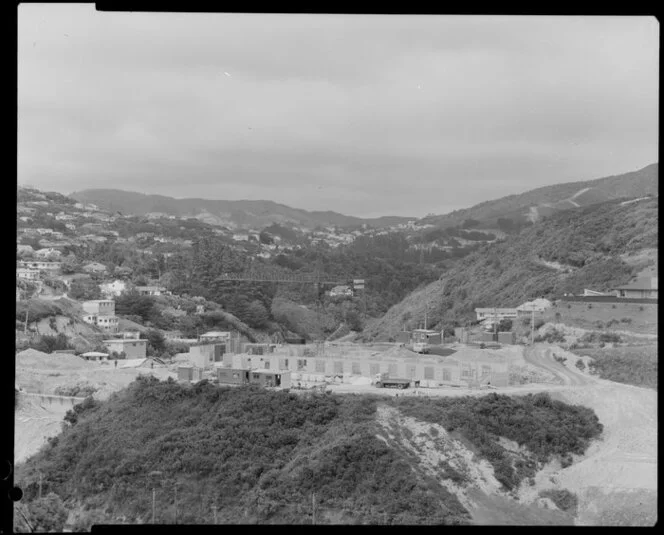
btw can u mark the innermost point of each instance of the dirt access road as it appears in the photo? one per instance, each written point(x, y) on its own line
point(616, 480)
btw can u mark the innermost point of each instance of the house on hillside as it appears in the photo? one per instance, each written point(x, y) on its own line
point(150, 290)
point(495, 313)
point(100, 307)
point(215, 336)
point(341, 291)
point(48, 252)
point(27, 274)
point(51, 267)
point(95, 267)
point(538, 305)
point(113, 289)
point(644, 288)
point(108, 324)
point(133, 348)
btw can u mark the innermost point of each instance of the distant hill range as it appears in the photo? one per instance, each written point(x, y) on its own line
point(239, 214)
point(545, 201)
point(515, 210)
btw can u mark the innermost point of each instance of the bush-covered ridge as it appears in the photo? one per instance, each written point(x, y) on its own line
point(257, 455)
point(260, 456)
point(546, 427)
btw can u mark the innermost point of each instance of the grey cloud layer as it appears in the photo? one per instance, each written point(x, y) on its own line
point(400, 115)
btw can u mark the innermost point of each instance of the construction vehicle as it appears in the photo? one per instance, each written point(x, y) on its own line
point(383, 381)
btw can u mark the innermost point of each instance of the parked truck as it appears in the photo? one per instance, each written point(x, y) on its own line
point(383, 381)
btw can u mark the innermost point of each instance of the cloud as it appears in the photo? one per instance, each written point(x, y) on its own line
point(261, 106)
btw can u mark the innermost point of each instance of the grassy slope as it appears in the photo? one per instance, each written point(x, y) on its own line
point(589, 241)
point(259, 455)
point(633, 365)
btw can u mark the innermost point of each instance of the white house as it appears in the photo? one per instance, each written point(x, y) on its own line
point(113, 289)
point(150, 290)
point(341, 291)
point(46, 252)
point(495, 313)
point(100, 307)
point(94, 267)
point(27, 274)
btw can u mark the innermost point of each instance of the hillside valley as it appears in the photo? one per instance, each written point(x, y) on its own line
point(589, 246)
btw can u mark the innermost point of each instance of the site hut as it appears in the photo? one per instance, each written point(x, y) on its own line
point(133, 348)
point(232, 376)
point(270, 378)
point(644, 288)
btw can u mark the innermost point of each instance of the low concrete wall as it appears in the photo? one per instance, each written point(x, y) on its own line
point(52, 398)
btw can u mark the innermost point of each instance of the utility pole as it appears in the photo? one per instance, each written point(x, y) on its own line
point(176, 502)
point(153, 503)
point(426, 312)
point(25, 328)
point(313, 508)
point(214, 512)
point(40, 484)
point(532, 326)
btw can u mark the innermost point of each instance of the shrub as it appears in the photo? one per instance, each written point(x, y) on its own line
point(590, 306)
point(626, 320)
point(579, 364)
point(563, 498)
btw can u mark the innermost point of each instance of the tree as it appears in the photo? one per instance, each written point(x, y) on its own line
point(256, 314)
point(265, 238)
point(133, 304)
point(505, 325)
point(47, 513)
point(83, 289)
point(156, 342)
point(70, 264)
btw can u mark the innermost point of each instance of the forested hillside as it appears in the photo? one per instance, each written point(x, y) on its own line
point(259, 456)
point(565, 253)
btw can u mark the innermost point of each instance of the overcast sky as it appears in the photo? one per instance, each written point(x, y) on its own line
point(364, 115)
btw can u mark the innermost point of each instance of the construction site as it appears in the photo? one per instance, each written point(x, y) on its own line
point(339, 362)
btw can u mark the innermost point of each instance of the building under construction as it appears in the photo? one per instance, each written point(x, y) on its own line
point(466, 367)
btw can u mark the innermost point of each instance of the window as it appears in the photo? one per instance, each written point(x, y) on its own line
point(355, 368)
point(267, 364)
point(392, 370)
point(486, 370)
point(256, 375)
point(338, 367)
point(133, 344)
point(447, 374)
point(320, 366)
point(428, 372)
point(374, 369)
